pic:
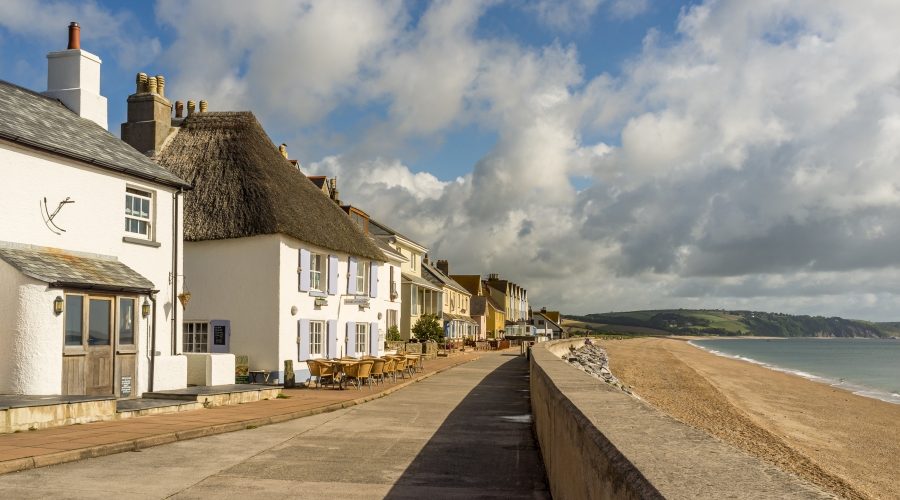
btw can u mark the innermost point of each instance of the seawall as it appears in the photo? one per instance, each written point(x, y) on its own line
point(598, 442)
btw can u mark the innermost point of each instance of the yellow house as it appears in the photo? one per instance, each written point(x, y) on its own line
point(487, 309)
point(458, 324)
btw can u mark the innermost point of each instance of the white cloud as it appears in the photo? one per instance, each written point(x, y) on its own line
point(752, 160)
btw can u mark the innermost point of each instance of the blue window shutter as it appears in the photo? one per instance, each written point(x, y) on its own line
point(304, 270)
point(373, 339)
point(331, 334)
point(351, 275)
point(373, 280)
point(351, 338)
point(303, 339)
point(332, 275)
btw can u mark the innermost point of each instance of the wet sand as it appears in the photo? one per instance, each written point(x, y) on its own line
point(847, 444)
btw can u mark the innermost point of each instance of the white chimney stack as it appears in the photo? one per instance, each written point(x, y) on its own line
point(73, 77)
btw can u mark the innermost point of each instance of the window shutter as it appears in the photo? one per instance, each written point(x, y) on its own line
point(373, 280)
point(373, 339)
point(304, 270)
point(303, 339)
point(332, 275)
point(351, 338)
point(331, 334)
point(351, 276)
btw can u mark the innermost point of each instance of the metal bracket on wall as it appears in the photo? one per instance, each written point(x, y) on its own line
point(48, 217)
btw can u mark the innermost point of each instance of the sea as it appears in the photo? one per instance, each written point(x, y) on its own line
point(867, 367)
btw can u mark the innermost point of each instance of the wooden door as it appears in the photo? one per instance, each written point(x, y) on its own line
point(125, 382)
point(98, 364)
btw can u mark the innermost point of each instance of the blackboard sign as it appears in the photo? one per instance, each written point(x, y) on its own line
point(125, 387)
point(219, 335)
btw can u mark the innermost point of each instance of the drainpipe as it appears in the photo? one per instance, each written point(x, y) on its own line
point(152, 342)
point(175, 242)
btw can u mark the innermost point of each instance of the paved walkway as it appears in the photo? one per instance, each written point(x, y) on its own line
point(463, 433)
point(26, 450)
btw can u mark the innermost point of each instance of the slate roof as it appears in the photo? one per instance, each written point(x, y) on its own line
point(435, 275)
point(459, 317)
point(479, 305)
point(412, 278)
point(44, 123)
point(244, 187)
point(388, 250)
point(60, 268)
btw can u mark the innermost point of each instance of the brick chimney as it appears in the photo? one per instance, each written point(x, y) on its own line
point(149, 115)
point(444, 266)
point(73, 77)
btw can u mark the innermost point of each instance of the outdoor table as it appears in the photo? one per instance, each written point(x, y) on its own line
point(255, 374)
point(338, 366)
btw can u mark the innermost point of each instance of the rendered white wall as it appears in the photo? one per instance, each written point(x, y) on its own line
point(237, 280)
point(93, 224)
point(170, 373)
point(210, 368)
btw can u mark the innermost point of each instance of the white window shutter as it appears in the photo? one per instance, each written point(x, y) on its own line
point(331, 334)
point(304, 270)
point(351, 275)
point(303, 339)
point(332, 275)
point(373, 339)
point(351, 338)
point(373, 280)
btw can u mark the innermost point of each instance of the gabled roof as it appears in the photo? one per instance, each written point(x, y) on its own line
point(388, 250)
point(61, 268)
point(435, 276)
point(421, 282)
point(549, 320)
point(318, 180)
point(34, 120)
point(381, 229)
point(244, 187)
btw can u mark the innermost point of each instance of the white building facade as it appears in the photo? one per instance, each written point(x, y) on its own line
point(89, 247)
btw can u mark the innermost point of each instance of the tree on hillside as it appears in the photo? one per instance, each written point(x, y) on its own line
point(428, 327)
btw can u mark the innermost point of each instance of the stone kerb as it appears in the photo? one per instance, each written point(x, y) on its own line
point(599, 442)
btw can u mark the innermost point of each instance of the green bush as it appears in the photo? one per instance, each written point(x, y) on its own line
point(428, 327)
point(393, 333)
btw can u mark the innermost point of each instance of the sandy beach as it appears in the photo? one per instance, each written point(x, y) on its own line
point(847, 444)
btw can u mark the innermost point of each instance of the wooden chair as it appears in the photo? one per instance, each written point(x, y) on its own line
point(351, 374)
point(323, 372)
point(378, 365)
point(314, 371)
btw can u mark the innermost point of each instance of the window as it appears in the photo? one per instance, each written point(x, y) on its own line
point(362, 337)
point(318, 272)
point(414, 263)
point(392, 318)
point(126, 321)
point(394, 293)
point(99, 316)
point(316, 329)
point(74, 320)
point(196, 336)
point(137, 212)
point(362, 277)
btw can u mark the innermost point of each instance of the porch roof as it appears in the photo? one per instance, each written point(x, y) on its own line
point(459, 317)
point(422, 282)
point(61, 268)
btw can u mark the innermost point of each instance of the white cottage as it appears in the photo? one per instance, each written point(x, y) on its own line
point(276, 270)
point(88, 291)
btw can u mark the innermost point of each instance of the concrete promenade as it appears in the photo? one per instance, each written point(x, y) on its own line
point(462, 433)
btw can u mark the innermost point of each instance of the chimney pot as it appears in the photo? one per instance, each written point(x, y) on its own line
point(203, 106)
point(283, 150)
point(161, 85)
point(179, 109)
point(443, 266)
point(190, 107)
point(143, 85)
point(152, 84)
point(74, 36)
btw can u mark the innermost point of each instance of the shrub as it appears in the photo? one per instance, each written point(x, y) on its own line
point(393, 333)
point(428, 327)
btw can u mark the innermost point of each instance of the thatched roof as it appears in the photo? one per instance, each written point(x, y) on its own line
point(244, 187)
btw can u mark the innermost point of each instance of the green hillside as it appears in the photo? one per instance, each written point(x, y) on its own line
point(733, 323)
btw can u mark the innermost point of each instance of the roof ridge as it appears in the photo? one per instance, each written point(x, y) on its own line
point(33, 92)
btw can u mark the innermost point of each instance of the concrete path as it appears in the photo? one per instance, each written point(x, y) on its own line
point(463, 433)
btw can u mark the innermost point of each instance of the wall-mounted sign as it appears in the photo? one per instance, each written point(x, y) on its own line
point(357, 301)
point(125, 387)
point(219, 335)
point(320, 302)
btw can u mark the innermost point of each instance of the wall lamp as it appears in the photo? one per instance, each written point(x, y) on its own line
point(58, 305)
point(145, 308)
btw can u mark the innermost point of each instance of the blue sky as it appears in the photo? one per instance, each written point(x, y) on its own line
point(606, 154)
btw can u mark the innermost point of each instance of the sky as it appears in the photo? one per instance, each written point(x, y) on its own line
point(607, 155)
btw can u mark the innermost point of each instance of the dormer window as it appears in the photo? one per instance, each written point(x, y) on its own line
point(138, 214)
